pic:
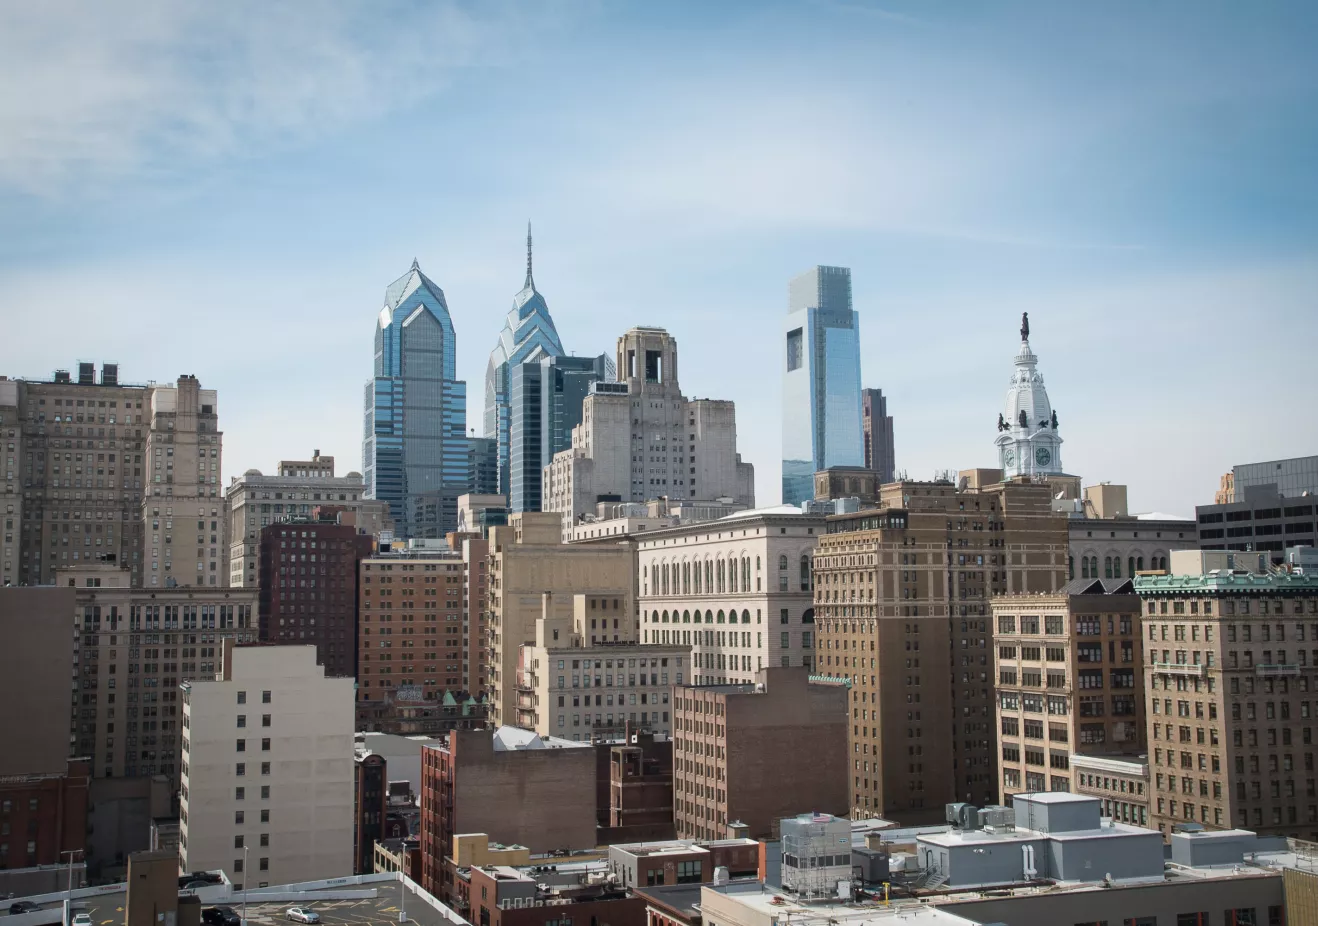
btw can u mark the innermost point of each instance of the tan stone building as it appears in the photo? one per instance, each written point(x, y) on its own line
point(755, 753)
point(1069, 681)
point(902, 596)
point(641, 438)
point(584, 679)
point(1120, 782)
point(267, 788)
point(738, 592)
point(132, 648)
point(77, 448)
point(527, 558)
point(1231, 671)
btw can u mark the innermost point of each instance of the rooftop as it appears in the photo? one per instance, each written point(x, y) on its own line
point(1229, 581)
point(508, 739)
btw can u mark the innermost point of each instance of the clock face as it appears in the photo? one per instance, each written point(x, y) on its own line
point(1009, 456)
point(1043, 456)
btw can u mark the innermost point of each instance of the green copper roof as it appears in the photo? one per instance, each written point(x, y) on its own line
point(1239, 583)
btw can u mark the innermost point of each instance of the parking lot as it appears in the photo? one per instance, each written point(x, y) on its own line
point(381, 910)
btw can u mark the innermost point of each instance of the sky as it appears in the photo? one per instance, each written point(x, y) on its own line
point(227, 189)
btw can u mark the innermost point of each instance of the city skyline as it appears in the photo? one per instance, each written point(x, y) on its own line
point(950, 184)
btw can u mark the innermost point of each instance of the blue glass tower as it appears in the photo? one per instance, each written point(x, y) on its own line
point(415, 435)
point(821, 380)
point(545, 401)
point(528, 335)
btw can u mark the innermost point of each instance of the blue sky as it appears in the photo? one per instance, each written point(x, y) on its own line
point(226, 190)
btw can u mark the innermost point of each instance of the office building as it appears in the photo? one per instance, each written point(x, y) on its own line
point(640, 438)
point(528, 335)
point(738, 592)
point(254, 501)
point(587, 676)
point(527, 559)
point(44, 816)
point(1269, 507)
point(876, 425)
point(545, 399)
point(902, 594)
point(409, 644)
point(482, 466)
point(132, 648)
point(1070, 681)
point(309, 593)
point(267, 786)
point(1120, 782)
point(1107, 542)
point(821, 380)
point(514, 785)
point(1028, 441)
point(415, 437)
point(751, 754)
point(77, 451)
point(1228, 673)
point(183, 452)
point(36, 666)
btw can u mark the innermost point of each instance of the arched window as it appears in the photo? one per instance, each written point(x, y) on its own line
point(782, 563)
point(1107, 567)
point(805, 572)
point(1130, 567)
point(1116, 567)
point(686, 617)
point(722, 577)
point(1070, 565)
point(697, 572)
point(665, 617)
point(745, 616)
point(686, 578)
point(1084, 567)
point(1162, 564)
point(663, 572)
point(1139, 564)
point(709, 577)
point(745, 573)
point(720, 617)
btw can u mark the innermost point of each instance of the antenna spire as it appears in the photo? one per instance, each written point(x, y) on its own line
point(530, 281)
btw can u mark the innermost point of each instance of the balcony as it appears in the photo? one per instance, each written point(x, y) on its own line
point(1179, 668)
point(1272, 670)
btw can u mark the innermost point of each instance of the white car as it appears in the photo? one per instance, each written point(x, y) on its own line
point(296, 914)
point(82, 919)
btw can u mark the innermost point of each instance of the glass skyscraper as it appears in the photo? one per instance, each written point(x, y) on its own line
point(528, 335)
point(415, 429)
point(821, 380)
point(545, 403)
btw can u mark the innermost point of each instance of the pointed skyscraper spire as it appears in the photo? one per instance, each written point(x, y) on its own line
point(530, 281)
point(415, 265)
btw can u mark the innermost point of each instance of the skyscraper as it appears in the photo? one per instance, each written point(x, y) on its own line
point(528, 335)
point(416, 409)
point(877, 426)
point(545, 402)
point(821, 380)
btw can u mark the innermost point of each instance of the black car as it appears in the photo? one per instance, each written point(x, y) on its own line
point(23, 906)
point(220, 916)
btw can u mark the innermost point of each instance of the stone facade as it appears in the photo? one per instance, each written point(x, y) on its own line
point(902, 593)
point(640, 438)
point(751, 571)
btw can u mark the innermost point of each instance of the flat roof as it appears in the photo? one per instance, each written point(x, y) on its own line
point(1054, 797)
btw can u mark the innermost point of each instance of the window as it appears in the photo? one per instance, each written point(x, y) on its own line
point(242, 697)
point(265, 792)
point(238, 842)
point(265, 744)
point(265, 720)
point(240, 769)
point(265, 697)
point(688, 872)
point(242, 745)
point(1240, 916)
point(265, 864)
point(242, 720)
point(265, 816)
point(239, 794)
point(238, 817)
point(265, 768)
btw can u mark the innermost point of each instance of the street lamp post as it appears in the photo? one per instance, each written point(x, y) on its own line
point(247, 875)
point(68, 894)
point(402, 892)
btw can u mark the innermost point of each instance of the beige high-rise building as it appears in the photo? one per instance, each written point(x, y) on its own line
point(528, 558)
point(182, 497)
point(738, 592)
point(1070, 682)
point(77, 447)
point(902, 597)
point(587, 676)
point(253, 501)
point(132, 648)
point(640, 438)
point(1230, 673)
point(267, 789)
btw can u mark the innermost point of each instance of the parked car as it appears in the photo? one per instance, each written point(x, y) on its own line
point(193, 885)
point(220, 916)
point(303, 915)
point(82, 919)
point(23, 906)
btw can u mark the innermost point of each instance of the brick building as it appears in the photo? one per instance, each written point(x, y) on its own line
point(759, 752)
point(511, 784)
point(637, 785)
point(502, 896)
point(902, 597)
point(370, 807)
point(43, 817)
point(309, 587)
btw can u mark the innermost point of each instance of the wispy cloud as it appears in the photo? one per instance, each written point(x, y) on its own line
point(95, 89)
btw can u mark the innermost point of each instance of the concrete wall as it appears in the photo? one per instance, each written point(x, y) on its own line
point(1162, 901)
point(543, 799)
point(36, 665)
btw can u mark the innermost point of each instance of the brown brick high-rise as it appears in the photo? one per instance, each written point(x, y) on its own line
point(902, 605)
